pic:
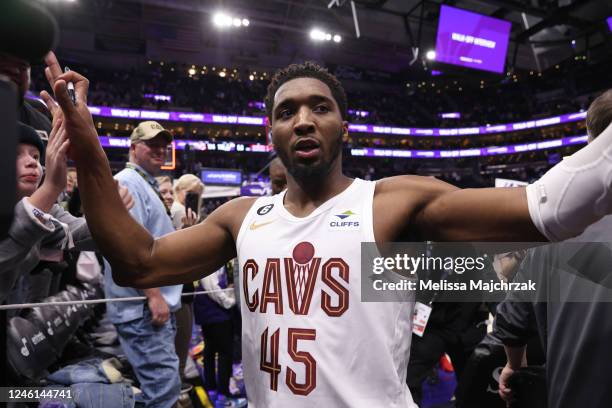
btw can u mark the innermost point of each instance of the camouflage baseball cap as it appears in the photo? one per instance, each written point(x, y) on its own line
point(149, 130)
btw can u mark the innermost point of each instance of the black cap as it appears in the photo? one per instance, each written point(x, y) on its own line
point(29, 135)
point(27, 30)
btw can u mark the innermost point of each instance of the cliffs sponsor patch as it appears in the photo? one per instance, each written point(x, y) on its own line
point(345, 220)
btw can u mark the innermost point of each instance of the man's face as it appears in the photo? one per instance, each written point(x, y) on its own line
point(307, 128)
point(17, 70)
point(278, 178)
point(150, 154)
point(71, 181)
point(29, 171)
point(165, 191)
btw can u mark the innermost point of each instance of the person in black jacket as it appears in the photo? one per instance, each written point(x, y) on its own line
point(455, 326)
point(571, 311)
point(27, 33)
point(29, 111)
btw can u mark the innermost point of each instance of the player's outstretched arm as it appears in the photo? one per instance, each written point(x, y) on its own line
point(138, 260)
point(188, 254)
point(429, 209)
point(479, 214)
point(560, 205)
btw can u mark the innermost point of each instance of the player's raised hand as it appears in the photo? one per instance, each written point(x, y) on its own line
point(76, 117)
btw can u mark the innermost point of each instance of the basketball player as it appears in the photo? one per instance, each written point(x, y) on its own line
point(308, 340)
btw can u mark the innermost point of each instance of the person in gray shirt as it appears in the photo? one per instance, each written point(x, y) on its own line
point(39, 222)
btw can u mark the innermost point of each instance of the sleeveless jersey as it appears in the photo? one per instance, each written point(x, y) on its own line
point(307, 339)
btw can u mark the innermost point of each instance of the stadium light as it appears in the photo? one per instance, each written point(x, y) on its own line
point(317, 34)
point(431, 55)
point(223, 20)
point(191, 71)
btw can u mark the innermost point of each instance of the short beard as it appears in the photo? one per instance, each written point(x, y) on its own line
point(312, 174)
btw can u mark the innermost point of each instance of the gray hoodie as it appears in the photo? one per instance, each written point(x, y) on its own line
point(20, 250)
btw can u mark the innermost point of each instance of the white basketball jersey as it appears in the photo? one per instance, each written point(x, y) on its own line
point(307, 339)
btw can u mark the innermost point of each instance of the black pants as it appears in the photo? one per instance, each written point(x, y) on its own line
point(184, 328)
point(425, 352)
point(218, 339)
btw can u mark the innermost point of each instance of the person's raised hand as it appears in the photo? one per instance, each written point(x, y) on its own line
point(56, 167)
point(189, 219)
point(56, 159)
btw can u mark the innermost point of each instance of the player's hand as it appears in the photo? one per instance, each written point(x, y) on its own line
point(160, 313)
point(504, 392)
point(76, 118)
point(126, 197)
point(190, 218)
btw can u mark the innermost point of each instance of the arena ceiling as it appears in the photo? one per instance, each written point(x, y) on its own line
point(278, 34)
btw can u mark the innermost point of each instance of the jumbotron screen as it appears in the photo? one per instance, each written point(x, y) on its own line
point(472, 40)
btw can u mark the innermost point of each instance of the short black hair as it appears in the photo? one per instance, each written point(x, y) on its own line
point(308, 69)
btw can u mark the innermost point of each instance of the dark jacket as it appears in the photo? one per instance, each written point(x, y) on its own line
point(214, 307)
point(570, 314)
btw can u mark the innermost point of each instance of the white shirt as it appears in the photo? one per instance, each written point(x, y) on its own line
point(308, 339)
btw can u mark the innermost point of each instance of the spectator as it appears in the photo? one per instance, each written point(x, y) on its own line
point(575, 334)
point(213, 314)
point(71, 180)
point(71, 187)
point(184, 316)
point(165, 190)
point(39, 222)
point(147, 331)
point(416, 105)
point(278, 176)
point(183, 217)
point(17, 69)
point(454, 326)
